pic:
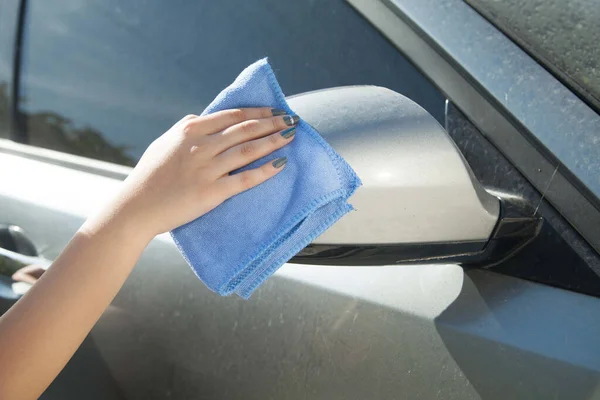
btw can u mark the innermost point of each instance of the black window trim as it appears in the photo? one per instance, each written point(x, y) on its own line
point(18, 131)
point(440, 38)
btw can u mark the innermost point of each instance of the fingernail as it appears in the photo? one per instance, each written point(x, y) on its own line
point(280, 162)
point(289, 132)
point(291, 120)
point(277, 111)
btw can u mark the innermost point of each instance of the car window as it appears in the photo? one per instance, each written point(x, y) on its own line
point(563, 35)
point(103, 78)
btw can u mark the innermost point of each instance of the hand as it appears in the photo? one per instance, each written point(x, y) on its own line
point(185, 172)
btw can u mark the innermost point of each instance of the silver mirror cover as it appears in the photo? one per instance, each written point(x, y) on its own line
point(417, 187)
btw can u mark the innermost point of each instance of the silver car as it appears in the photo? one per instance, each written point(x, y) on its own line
point(471, 268)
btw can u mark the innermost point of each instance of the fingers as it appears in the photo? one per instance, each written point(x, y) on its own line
point(28, 274)
point(252, 129)
point(221, 120)
point(247, 152)
point(231, 185)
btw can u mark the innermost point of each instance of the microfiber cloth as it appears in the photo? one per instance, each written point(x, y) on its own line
point(238, 245)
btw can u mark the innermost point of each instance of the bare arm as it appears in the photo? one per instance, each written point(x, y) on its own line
point(182, 175)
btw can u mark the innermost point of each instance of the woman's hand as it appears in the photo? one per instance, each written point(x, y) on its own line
point(185, 172)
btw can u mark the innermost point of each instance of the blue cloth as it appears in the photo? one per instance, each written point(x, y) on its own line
point(238, 245)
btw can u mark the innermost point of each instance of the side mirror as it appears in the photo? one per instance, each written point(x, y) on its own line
point(420, 201)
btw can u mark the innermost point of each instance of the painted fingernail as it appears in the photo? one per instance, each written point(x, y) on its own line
point(277, 111)
point(291, 120)
point(280, 162)
point(289, 132)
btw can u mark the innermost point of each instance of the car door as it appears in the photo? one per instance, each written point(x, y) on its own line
point(92, 83)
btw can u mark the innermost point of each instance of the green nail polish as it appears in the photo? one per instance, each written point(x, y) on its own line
point(277, 111)
point(280, 162)
point(289, 132)
point(291, 120)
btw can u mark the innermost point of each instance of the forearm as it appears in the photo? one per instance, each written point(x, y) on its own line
point(39, 334)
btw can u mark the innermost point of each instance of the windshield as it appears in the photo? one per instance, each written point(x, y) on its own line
point(563, 35)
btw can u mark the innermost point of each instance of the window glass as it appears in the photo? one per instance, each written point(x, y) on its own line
point(563, 35)
point(103, 78)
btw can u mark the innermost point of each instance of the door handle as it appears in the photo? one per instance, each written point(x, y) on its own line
point(13, 238)
point(17, 251)
point(17, 258)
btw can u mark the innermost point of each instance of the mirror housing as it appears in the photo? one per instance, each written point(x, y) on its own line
point(419, 201)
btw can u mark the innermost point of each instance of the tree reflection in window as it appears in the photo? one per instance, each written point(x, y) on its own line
point(56, 132)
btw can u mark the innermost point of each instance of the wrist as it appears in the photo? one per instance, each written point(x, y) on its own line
point(121, 221)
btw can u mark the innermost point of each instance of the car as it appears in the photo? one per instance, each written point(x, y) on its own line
point(471, 268)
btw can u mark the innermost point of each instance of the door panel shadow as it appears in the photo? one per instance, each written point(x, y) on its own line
point(521, 340)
